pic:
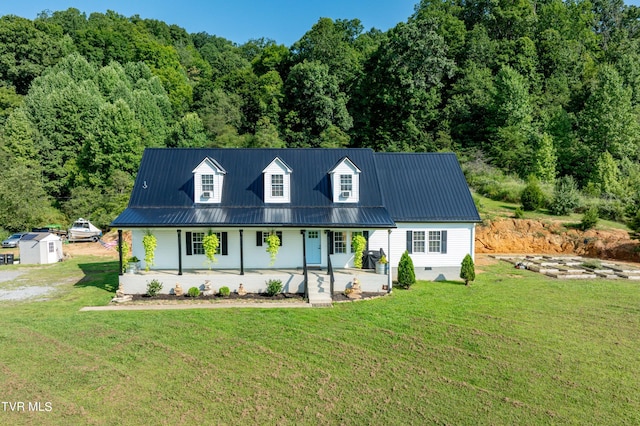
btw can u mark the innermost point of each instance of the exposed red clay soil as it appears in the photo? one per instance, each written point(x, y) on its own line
point(526, 236)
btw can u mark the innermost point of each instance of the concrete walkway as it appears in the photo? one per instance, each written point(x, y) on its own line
point(266, 305)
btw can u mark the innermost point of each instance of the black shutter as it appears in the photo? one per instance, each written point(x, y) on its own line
point(443, 242)
point(365, 234)
point(410, 241)
point(189, 245)
point(259, 238)
point(279, 235)
point(330, 242)
point(224, 243)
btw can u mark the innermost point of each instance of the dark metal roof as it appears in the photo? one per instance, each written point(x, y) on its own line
point(425, 187)
point(416, 187)
point(336, 217)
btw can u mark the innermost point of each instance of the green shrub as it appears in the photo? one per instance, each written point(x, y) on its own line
point(566, 197)
point(193, 292)
point(589, 219)
point(274, 287)
point(153, 287)
point(611, 209)
point(491, 182)
point(519, 213)
point(467, 269)
point(532, 197)
point(406, 272)
point(224, 291)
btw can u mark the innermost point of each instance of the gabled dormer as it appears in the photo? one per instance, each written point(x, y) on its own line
point(208, 178)
point(277, 182)
point(345, 181)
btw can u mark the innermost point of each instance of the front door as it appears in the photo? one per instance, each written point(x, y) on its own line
point(312, 241)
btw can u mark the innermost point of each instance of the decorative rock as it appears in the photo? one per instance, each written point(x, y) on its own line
point(178, 290)
point(241, 290)
point(122, 299)
point(120, 292)
point(355, 286)
point(208, 289)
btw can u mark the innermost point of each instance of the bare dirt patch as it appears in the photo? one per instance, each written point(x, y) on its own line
point(531, 236)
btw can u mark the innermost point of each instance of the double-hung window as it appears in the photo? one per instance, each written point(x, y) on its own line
point(418, 242)
point(207, 183)
point(198, 247)
point(435, 238)
point(277, 185)
point(339, 242)
point(427, 241)
point(346, 183)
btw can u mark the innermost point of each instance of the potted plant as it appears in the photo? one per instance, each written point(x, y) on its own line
point(273, 245)
point(132, 265)
point(381, 265)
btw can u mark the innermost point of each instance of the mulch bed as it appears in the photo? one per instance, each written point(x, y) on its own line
point(233, 296)
point(341, 297)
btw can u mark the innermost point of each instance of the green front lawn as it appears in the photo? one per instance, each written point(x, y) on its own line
point(514, 348)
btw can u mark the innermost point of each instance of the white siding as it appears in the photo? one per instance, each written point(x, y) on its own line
point(345, 168)
point(276, 167)
point(208, 168)
point(460, 242)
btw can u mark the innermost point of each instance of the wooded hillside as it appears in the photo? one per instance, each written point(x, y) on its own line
point(543, 88)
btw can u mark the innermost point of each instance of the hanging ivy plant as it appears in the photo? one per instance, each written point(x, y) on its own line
point(124, 253)
point(150, 243)
point(210, 243)
point(359, 243)
point(273, 245)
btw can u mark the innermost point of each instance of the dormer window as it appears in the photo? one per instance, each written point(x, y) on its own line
point(277, 182)
point(277, 186)
point(208, 179)
point(345, 182)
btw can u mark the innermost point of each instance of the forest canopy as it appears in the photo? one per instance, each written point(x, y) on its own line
point(548, 90)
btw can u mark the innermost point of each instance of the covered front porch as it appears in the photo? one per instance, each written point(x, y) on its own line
point(255, 280)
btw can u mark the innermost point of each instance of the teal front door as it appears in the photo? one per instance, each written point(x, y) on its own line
point(312, 241)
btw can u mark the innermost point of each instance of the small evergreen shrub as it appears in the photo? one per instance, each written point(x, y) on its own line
point(467, 270)
point(224, 291)
point(589, 219)
point(519, 213)
point(566, 197)
point(274, 287)
point(193, 292)
point(406, 272)
point(153, 287)
point(532, 197)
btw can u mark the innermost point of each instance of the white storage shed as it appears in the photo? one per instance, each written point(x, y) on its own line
point(40, 248)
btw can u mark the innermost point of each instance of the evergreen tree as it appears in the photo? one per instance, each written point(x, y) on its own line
point(467, 270)
point(406, 271)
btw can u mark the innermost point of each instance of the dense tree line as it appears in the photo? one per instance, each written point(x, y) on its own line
point(544, 88)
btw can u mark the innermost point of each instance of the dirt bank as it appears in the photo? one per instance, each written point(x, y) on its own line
point(531, 236)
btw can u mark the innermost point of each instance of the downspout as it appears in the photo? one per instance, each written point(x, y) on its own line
point(390, 268)
point(304, 265)
point(120, 251)
point(179, 252)
point(241, 253)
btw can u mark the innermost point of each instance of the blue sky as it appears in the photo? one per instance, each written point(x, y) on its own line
point(284, 21)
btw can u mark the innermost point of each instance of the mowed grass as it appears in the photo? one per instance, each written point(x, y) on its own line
point(514, 348)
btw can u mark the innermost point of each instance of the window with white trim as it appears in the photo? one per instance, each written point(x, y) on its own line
point(277, 185)
point(435, 239)
point(346, 183)
point(196, 242)
point(339, 242)
point(418, 242)
point(207, 183)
